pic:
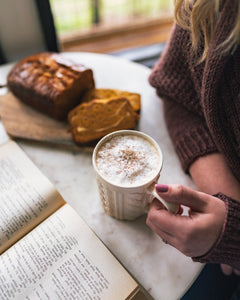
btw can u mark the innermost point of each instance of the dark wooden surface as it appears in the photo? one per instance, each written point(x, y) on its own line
point(21, 121)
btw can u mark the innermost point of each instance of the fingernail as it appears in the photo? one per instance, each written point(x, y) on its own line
point(161, 188)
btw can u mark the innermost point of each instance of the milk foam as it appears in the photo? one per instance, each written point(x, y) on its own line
point(128, 160)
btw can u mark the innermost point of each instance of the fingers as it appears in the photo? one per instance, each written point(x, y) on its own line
point(227, 270)
point(183, 195)
point(162, 221)
point(166, 238)
point(237, 272)
point(194, 234)
point(171, 231)
point(157, 205)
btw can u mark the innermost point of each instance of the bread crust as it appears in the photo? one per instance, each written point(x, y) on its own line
point(50, 83)
point(101, 93)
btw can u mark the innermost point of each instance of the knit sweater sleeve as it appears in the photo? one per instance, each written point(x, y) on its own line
point(172, 78)
point(189, 134)
point(227, 248)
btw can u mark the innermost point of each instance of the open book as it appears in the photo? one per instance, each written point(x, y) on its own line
point(46, 250)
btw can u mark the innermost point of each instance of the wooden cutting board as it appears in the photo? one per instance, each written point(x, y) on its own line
point(21, 121)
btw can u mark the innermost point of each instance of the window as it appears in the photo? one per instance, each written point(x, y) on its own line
point(95, 22)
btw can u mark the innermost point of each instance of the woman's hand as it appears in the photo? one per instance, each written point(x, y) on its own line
point(228, 270)
point(211, 175)
point(193, 235)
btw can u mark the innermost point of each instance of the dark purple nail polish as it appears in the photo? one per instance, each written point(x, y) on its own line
point(161, 188)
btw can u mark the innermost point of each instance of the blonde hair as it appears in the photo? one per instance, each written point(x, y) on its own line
point(200, 18)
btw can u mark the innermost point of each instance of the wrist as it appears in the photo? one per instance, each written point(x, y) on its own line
point(226, 248)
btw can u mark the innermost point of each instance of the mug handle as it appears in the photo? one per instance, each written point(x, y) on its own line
point(172, 207)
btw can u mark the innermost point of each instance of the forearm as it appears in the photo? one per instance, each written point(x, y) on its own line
point(212, 175)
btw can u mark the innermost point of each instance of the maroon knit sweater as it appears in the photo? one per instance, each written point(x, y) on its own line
point(202, 112)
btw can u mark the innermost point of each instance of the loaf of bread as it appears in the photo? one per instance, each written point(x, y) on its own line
point(134, 98)
point(50, 83)
point(92, 120)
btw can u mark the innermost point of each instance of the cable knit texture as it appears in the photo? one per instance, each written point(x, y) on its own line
point(201, 101)
point(226, 249)
point(202, 112)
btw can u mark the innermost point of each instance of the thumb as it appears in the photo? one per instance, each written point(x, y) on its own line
point(179, 194)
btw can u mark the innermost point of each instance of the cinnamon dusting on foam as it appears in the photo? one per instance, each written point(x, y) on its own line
point(127, 160)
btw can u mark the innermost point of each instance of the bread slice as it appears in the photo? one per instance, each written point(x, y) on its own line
point(92, 120)
point(134, 98)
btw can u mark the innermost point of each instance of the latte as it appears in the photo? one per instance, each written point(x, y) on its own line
point(128, 160)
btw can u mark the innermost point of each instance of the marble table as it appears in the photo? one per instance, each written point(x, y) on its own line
point(163, 271)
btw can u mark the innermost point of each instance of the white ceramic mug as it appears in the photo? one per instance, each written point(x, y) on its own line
point(129, 202)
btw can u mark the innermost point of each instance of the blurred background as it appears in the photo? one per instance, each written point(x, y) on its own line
point(111, 25)
point(135, 29)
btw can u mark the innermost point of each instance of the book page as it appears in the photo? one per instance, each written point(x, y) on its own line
point(26, 196)
point(62, 258)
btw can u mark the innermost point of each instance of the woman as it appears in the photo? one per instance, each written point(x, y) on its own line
point(198, 78)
